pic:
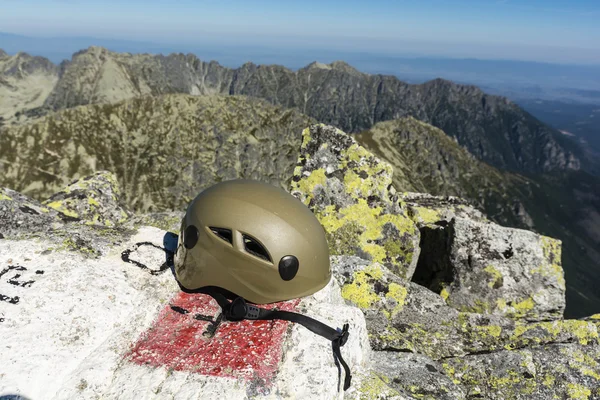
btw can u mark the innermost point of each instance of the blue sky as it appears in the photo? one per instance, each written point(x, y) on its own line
point(550, 30)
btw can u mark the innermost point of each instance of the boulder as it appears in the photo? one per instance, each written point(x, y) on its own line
point(486, 268)
point(416, 374)
point(404, 316)
point(21, 215)
point(426, 209)
point(86, 217)
point(94, 199)
point(349, 190)
point(561, 370)
point(479, 266)
point(411, 327)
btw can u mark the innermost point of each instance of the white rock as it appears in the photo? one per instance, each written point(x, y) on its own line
point(67, 336)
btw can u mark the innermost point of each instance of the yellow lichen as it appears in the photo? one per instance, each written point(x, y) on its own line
point(306, 137)
point(374, 270)
point(445, 294)
point(584, 363)
point(369, 219)
point(374, 387)
point(360, 291)
point(4, 196)
point(578, 392)
point(451, 372)
point(308, 183)
point(59, 206)
point(504, 381)
point(552, 255)
point(501, 304)
point(426, 215)
point(548, 380)
point(397, 293)
point(582, 330)
point(497, 277)
point(356, 152)
point(491, 330)
point(523, 307)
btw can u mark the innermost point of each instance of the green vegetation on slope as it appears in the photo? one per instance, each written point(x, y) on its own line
point(163, 150)
point(427, 160)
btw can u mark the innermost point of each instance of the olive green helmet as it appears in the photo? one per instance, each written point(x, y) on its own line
point(254, 240)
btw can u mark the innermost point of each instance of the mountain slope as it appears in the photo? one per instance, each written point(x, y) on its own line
point(425, 159)
point(164, 150)
point(565, 206)
point(491, 127)
point(25, 83)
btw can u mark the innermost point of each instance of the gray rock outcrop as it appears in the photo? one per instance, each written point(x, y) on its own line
point(83, 285)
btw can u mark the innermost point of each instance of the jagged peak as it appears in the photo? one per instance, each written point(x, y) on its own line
point(92, 50)
point(317, 65)
point(344, 66)
point(21, 55)
point(447, 84)
point(336, 66)
point(3, 53)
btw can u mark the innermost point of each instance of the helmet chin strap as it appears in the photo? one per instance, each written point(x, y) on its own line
point(239, 309)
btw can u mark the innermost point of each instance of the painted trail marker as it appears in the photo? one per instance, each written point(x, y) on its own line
point(183, 339)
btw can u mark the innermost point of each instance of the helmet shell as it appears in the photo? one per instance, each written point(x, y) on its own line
point(254, 240)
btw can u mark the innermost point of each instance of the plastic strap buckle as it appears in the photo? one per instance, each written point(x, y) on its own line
point(239, 310)
point(252, 312)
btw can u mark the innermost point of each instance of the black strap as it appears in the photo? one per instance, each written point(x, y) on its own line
point(238, 310)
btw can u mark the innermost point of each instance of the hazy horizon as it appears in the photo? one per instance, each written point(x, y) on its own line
point(515, 79)
point(553, 31)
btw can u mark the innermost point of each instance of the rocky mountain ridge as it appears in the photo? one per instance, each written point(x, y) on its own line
point(491, 127)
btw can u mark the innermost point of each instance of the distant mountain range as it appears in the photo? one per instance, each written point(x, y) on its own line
point(133, 114)
point(492, 128)
point(515, 79)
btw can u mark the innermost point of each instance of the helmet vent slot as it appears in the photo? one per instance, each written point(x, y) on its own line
point(253, 247)
point(222, 233)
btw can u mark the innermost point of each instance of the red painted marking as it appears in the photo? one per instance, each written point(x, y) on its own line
point(245, 349)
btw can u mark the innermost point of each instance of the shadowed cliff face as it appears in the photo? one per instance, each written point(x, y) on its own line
point(491, 127)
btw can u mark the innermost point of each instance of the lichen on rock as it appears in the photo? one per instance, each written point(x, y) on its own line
point(418, 375)
point(566, 371)
point(485, 268)
point(406, 317)
point(85, 217)
point(350, 192)
point(426, 209)
point(94, 199)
